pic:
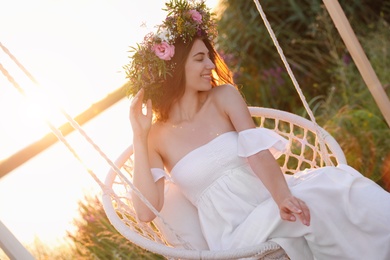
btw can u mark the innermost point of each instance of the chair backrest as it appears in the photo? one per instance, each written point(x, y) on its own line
point(172, 236)
point(304, 141)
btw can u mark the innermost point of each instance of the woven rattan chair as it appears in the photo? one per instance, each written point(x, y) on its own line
point(304, 152)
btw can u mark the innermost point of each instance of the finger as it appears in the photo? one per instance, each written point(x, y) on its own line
point(287, 208)
point(294, 206)
point(149, 108)
point(136, 103)
point(288, 216)
point(139, 96)
point(305, 215)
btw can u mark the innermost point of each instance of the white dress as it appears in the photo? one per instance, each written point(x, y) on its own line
point(350, 214)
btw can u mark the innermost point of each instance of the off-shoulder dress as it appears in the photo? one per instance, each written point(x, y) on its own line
point(350, 214)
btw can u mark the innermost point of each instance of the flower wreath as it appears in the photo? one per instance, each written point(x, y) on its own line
point(151, 60)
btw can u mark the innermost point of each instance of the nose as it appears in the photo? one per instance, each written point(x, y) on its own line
point(210, 64)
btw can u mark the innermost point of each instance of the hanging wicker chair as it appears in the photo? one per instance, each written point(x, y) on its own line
point(174, 233)
point(166, 237)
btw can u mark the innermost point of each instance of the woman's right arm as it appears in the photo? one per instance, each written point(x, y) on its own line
point(144, 158)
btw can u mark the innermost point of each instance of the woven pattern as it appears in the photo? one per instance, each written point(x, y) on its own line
point(304, 139)
point(304, 152)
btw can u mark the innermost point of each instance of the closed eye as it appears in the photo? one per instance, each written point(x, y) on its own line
point(200, 56)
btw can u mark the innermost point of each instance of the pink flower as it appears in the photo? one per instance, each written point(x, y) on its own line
point(164, 51)
point(196, 16)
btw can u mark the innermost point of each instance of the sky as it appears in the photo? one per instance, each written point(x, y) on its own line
point(75, 49)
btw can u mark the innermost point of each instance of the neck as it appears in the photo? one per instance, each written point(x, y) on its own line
point(187, 107)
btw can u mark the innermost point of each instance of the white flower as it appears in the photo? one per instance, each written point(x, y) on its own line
point(164, 35)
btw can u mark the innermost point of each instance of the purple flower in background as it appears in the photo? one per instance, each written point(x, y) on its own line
point(347, 59)
point(274, 76)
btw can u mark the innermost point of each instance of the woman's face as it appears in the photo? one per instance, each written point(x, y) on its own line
point(198, 68)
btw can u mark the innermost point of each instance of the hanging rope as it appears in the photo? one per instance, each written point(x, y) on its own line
point(321, 138)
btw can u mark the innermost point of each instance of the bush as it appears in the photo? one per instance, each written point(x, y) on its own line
point(96, 238)
point(250, 52)
point(322, 65)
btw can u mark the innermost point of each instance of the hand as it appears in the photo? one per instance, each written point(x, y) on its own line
point(140, 122)
point(292, 207)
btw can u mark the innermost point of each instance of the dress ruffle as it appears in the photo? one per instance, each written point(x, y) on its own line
point(158, 173)
point(254, 140)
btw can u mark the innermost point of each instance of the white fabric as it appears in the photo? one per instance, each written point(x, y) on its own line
point(158, 173)
point(182, 217)
point(254, 140)
point(350, 214)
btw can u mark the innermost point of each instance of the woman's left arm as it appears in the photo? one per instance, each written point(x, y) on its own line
point(263, 163)
point(268, 170)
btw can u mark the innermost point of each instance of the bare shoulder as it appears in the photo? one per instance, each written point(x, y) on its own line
point(232, 103)
point(226, 89)
point(227, 96)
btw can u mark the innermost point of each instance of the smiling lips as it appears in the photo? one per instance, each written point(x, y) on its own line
point(206, 76)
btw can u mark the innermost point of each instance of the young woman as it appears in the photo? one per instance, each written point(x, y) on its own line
point(197, 128)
